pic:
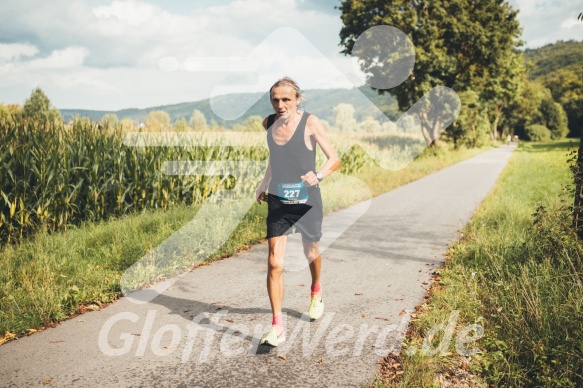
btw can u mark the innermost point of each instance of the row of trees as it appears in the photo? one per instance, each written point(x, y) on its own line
point(345, 122)
point(159, 120)
point(469, 46)
point(37, 108)
point(558, 67)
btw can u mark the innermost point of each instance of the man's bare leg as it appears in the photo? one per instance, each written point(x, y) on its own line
point(275, 289)
point(312, 253)
point(275, 272)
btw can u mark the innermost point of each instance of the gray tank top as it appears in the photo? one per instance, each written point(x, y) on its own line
point(291, 160)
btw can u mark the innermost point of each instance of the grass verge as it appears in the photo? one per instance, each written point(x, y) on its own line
point(517, 274)
point(53, 276)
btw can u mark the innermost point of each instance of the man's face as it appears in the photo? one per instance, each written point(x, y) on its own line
point(284, 101)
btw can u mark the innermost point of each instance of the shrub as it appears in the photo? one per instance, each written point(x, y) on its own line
point(538, 132)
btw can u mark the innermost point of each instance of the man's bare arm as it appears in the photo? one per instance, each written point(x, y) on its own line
point(316, 129)
point(260, 193)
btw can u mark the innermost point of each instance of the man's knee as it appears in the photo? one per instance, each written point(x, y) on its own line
point(311, 251)
point(275, 264)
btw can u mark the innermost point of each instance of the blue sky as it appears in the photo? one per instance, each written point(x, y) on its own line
point(115, 54)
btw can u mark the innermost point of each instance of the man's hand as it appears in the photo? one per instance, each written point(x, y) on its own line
point(310, 179)
point(260, 194)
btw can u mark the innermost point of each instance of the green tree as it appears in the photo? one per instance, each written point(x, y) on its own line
point(526, 108)
point(181, 125)
point(472, 126)
point(537, 132)
point(566, 87)
point(553, 116)
point(456, 42)
point(369, 125)
point(345, 121)
point(198, 121)
point(503, 87)
point(251, 124)
point(577, 170)
point(558, 67)
point(536, 106)
point(128, 125)
point(38, 108)
point(158, 120)
point(110, 121)
point(215, 127)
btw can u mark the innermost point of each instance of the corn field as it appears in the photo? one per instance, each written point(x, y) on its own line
point(55, 176)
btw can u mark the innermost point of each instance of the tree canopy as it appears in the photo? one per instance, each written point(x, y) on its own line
point(558, 67)
point(464, 45)
point(38, 108)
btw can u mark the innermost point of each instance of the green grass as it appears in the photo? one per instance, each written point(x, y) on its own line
point(48, 277)
point(45, 279)
point(518, 273)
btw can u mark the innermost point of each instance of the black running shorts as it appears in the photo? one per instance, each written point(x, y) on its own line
point(307, 218)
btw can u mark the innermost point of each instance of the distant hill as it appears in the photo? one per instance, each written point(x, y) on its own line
point(319, 101)
point(552, 57)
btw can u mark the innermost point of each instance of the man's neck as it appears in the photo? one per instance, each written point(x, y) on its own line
point(289, 119)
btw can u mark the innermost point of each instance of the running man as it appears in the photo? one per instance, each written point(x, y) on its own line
point(290, 188)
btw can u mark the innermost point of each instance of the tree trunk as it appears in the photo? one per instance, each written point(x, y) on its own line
point(432, 130)
point(435, 132)
point(495, 123)
point(425, 135)
point(578, 178)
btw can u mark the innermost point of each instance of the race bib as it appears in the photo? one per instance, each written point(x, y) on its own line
point(292, 193)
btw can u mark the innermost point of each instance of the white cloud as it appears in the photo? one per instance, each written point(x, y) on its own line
point(115, 47)
point(71, 57)
point(131, 12)
point(14, 51)
point(546, 21)
point(105, 54)
point(571, 23)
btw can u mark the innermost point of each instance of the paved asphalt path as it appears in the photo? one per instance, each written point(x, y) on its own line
point(203, 331)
